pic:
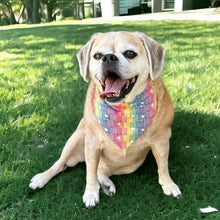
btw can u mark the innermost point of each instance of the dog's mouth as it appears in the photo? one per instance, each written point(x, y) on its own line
point(115, 88)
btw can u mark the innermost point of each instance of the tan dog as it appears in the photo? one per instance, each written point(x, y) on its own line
point(120, 65)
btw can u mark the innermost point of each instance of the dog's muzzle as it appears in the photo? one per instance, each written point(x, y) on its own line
point(114, 87)
point(109, 64)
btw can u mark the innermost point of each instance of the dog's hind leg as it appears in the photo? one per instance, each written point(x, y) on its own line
point(72, 153)
point(107, 185)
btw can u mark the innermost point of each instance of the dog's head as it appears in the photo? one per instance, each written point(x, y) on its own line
point(121, 63)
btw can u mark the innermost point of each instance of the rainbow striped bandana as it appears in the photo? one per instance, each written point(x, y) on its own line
point(125, 122)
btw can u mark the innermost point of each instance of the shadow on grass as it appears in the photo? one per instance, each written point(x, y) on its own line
point(194, 147)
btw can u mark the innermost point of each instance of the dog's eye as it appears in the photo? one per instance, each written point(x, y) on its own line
point(98, 56)
point(130, 54)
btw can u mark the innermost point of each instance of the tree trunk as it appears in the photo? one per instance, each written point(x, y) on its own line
point(32, 11)
point(50, 12)
point(35, 12)
point(83, 10)
point(28, 11)
point(11, 14)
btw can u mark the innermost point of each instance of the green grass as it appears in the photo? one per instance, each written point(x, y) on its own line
point(41, 103)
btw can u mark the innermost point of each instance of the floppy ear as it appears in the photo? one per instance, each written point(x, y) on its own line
point(83, 57)
point(155, 53)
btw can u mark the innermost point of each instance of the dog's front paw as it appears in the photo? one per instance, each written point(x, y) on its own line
point(171, 190)
point(91, 199)
point(38, 181)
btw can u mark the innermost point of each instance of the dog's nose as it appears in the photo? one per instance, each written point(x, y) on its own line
point(109, 58)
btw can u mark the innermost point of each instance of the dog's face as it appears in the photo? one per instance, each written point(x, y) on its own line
point(121, 63)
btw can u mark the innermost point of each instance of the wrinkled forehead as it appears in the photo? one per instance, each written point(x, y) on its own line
point(115, 42)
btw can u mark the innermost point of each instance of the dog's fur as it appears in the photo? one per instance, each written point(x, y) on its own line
point(91, 144)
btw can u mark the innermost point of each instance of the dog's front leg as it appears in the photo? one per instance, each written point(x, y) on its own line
point(161, 153)
point(92, 156)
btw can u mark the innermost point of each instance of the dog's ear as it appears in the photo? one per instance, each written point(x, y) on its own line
point(83, 57)
point(155, 53)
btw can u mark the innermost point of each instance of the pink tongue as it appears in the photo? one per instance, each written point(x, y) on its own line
point(112, 86)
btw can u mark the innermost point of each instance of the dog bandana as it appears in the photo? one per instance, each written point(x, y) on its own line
point(125, 122)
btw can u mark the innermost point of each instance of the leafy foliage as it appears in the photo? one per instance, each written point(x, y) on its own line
point(33, 11)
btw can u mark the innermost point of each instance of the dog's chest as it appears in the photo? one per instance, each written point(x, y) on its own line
point(124, 123)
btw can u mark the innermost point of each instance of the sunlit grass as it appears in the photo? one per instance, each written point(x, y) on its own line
point(41, 102)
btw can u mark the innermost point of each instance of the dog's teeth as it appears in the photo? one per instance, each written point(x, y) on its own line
point(127, 84)
point(116, 94)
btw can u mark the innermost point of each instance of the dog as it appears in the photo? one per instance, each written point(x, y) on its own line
point(127, 113)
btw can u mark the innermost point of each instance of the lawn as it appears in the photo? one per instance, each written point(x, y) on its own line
point(41, 102)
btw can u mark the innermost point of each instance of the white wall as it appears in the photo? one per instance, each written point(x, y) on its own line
point(181, 5)
point(110, 8)
point(178, 5)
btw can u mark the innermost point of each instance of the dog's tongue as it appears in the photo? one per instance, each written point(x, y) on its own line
point(112, 86)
